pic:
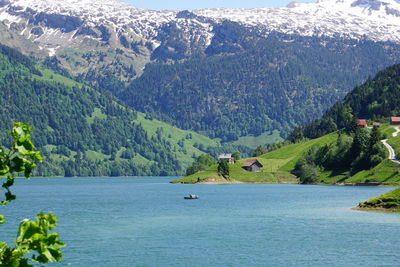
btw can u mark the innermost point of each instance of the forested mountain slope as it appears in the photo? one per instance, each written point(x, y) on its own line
point(247, 84)
point(376, 99)
point(82, 132)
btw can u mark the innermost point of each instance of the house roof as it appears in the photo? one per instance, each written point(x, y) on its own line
point(395, 119)
point(225, 156)
point(362, 122)
point(250, 162)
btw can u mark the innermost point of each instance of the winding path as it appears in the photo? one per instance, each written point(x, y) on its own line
point(392, 153)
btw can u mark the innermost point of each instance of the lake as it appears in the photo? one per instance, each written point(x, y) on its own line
point(146, 222)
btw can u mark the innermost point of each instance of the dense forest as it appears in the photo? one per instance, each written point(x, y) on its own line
point(80, 131)
point(377, 99)
point(247, 84)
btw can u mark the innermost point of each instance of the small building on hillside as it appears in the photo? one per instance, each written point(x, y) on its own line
point(227, 157)
point(362, 123)
point(252, 165)
point(395, 120)
point(376, 125)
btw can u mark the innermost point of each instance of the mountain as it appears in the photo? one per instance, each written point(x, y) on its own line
point(227, 73)
point(54, 25)
point(274, 83)
point(83, 132)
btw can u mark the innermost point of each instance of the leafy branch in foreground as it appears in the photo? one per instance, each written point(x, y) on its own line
point(32, 236)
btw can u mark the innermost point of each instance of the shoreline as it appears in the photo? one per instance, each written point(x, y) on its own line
point(221, 181)
point(379, 210)
point(209, 181)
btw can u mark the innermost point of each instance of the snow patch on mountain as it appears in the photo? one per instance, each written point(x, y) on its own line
point(40, 20)
point(371, 19)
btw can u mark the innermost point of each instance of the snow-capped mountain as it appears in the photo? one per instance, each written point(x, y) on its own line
point(54, 24)
point(371, 19)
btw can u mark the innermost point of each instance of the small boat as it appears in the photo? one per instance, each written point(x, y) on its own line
point(192, 197)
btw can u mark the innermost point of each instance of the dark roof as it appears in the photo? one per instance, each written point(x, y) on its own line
point(362, 122)
point(395, 119)
point(250, 162)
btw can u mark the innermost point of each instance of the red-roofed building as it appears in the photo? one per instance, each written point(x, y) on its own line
point(395, 120)
point(362, 123)
point(252, 165)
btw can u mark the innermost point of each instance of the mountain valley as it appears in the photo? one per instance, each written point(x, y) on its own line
point(240, 77)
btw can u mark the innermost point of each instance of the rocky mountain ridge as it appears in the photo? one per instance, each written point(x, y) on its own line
point(54, 25)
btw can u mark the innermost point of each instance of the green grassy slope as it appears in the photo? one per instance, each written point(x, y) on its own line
point(386, 202)
point(263, 139)
point(277, 165)
point(184, 143)
point(292, 153)
point(386, 173)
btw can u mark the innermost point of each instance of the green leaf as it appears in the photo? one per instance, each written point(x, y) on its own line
point(33, 236)
point(21, 158)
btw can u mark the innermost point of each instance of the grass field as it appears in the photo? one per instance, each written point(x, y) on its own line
point(49, 75)
point(263, 139)
point(97, 113)
point(292, 153)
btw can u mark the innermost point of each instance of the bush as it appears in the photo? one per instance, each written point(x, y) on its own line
point(223, 169)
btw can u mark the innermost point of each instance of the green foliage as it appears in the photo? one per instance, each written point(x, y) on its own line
point(306, 168)
point(237, 155)
point(20, 158)
point(200, 164)
point(128, 154)
point(223, 168)
point(260, 150)
point(367, 151)
point(32, 236)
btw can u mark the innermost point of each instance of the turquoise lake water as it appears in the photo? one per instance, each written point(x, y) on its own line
point(146, 222)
